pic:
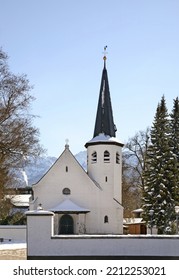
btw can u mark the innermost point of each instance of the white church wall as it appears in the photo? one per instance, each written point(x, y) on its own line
point(42, 243)
point(49, 189)
point(118, 176)
point(107, 174)
point(84, 192)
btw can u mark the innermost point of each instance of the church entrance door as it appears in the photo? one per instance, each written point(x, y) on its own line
point(66, 225)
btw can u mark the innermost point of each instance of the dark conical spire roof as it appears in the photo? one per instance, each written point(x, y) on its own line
point(104, 117)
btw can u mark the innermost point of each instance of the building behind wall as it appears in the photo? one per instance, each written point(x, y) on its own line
point(87, 202)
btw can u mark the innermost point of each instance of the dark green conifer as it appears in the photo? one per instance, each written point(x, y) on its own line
point(159, 177)
point(174, 140)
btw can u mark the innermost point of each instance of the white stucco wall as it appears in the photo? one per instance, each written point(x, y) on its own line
point(42, 242)
point(14, 232)
point(100, 170)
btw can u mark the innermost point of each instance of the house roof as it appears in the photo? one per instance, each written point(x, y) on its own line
point(129, 221)
point(68, 206)
point(21, 200)
point(139, 210)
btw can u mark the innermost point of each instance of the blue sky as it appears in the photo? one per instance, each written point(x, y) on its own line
point(59, 45)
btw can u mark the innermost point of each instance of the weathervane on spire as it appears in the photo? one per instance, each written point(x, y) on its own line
point(105, 53)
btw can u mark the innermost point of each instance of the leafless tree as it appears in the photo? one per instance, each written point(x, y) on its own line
point(137, 148)
point(19, 139)
point(134, 164)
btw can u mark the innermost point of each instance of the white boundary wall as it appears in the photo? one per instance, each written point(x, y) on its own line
point(14, 232)
point(41, 243)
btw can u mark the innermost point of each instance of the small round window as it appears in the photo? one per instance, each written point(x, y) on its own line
point(66, 191)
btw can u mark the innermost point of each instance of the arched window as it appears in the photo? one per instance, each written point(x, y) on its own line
point(94, 157)
point(106, 156)
point(66, 225)
point(106, 219)
point(117, 158)
point(66, 191)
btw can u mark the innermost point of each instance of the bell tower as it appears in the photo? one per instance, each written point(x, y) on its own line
point(104, 151)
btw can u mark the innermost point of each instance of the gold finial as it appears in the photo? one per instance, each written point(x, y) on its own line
point(105, 52)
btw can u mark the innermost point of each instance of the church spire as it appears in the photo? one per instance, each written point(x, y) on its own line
point(104, 117)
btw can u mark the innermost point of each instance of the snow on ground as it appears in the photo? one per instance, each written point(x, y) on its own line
point(12, 245)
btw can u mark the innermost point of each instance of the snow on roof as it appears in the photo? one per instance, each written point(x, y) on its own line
point(69, 206)
point(104, 138)
point(21, 200)
point(133, 221)
point(139, 210)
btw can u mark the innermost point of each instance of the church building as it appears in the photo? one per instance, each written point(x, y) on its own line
point(87, 202)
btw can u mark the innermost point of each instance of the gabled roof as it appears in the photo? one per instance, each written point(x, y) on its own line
point(67, 151)
point(104, 117)
point(68, 206)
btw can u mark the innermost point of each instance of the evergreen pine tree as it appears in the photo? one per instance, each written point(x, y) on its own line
point(174, 140)
point(159, 176)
